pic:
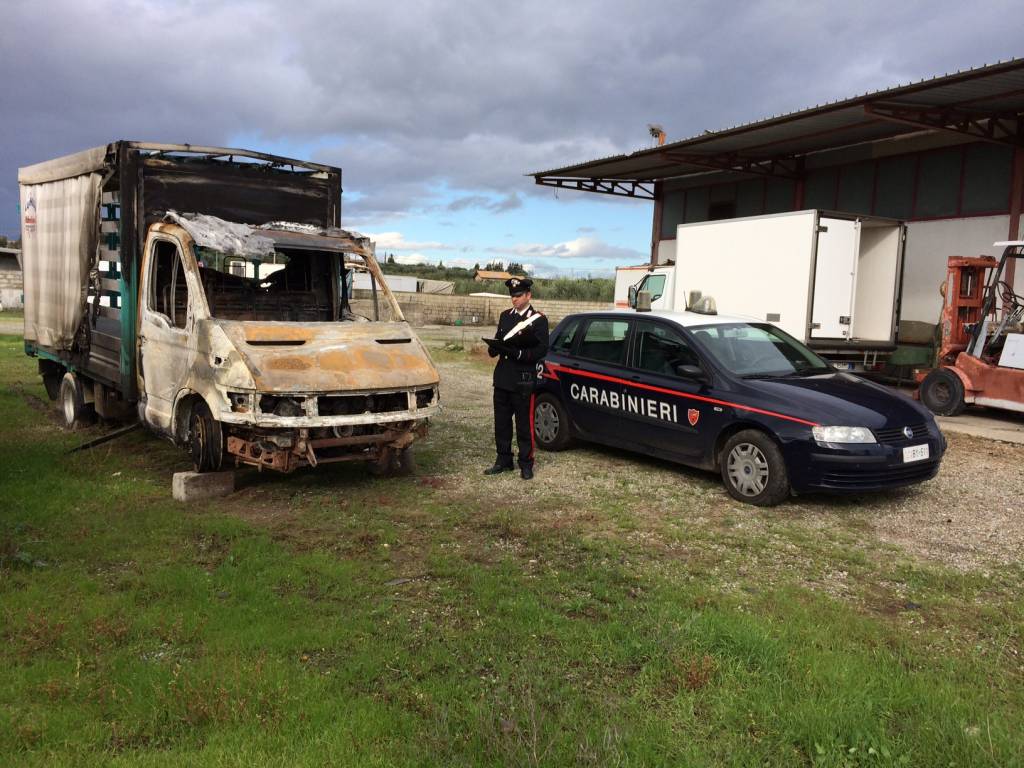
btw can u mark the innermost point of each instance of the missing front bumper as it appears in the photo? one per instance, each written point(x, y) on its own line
point(312, 447)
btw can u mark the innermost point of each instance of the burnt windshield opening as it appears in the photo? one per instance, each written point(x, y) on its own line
point(289, 284)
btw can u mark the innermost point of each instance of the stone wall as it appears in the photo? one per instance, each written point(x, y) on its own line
point(11, 288)
point(430, 309)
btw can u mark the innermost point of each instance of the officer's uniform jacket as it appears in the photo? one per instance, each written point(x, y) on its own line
point(517, 371)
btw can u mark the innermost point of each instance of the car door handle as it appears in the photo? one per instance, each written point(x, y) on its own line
point(634, 378)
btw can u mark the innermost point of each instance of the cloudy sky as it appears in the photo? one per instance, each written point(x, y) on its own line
point(435, 110)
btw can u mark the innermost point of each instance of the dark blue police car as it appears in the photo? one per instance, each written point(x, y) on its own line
point(733, 395)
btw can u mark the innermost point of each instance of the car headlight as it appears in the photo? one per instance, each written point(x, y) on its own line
point(842, 434)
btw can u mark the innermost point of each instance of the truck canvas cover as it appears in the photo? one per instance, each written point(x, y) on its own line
point(59, 235)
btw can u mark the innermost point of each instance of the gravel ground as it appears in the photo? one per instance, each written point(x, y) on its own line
point(970, 517)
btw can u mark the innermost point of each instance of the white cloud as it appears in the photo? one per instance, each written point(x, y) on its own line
point(582, 248)
point(395, 241)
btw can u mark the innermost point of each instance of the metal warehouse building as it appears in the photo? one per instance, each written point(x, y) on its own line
point(946, 155)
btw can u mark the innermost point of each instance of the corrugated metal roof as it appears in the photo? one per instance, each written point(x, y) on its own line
point(982, 91)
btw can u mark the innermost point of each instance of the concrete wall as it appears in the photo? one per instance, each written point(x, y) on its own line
point(431, 309)
point(11, 288)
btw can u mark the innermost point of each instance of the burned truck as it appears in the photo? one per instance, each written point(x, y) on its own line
point(208, 293)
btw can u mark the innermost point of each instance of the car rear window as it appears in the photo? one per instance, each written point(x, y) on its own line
point(566, 336)
point(605, 340)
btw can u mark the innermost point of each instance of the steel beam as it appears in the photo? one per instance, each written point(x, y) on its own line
point(618, 187)
point(997, 128)
point(782, 166)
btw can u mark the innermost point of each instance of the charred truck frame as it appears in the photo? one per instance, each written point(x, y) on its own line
point(208, 291)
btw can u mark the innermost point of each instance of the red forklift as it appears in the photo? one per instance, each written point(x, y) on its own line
point(981, 347)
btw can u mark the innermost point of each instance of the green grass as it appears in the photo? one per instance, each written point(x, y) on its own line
point(12, 314)
point(330, 618)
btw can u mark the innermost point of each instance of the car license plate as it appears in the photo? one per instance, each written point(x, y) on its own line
point(915, 453)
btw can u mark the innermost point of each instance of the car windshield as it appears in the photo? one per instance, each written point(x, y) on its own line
point(756, 350)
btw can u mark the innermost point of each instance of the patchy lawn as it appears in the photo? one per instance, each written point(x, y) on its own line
point(614, 611)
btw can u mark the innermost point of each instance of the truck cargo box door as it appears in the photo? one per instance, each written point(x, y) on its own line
point(834, 277)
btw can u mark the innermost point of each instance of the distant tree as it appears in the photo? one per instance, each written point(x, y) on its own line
point(495, 266)
point(516, 268)
point(476, 267)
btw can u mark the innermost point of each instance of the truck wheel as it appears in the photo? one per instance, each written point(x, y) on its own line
point(551, 423)
point(942, 392)
point(384, 464)
point(71, 401)
point(405, 462)
point(205, 439)
point(753, 469)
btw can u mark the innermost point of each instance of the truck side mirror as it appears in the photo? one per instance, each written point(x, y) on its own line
point(632, 296)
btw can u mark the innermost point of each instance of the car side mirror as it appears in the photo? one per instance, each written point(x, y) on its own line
point(691, 372)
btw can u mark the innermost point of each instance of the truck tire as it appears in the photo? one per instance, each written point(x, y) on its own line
point(405, 462)
point(393, 462)
point(205, 439)
point(71, 402)
point(754, 470)
point(551, 425)
point(383, 464)
point(942, 392)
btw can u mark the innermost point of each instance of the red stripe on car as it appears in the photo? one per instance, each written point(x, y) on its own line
point(651, 388)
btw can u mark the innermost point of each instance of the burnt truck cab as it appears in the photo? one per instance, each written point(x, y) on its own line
point(252, 350)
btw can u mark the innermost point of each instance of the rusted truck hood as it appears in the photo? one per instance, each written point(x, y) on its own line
point(330, 357)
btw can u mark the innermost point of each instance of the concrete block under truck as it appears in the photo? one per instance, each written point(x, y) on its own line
point(207, 292)
point(830, 280)
point(981, 347)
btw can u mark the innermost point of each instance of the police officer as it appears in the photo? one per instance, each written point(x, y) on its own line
point(521, 342)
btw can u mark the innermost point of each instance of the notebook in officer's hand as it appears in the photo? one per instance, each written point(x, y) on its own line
point(498, 345)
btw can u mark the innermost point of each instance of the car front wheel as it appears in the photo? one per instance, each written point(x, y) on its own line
point(753, 469)
point(551, 423)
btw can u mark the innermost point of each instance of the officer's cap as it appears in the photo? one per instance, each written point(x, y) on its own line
point(518, 285)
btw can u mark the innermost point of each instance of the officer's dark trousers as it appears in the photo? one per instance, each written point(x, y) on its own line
point(508, 404)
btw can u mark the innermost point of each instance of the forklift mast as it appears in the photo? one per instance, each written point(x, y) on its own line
point(964, 298)
point(972, 289)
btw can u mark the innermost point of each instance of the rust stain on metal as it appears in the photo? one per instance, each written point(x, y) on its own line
point(288, 363)
point(266, 332)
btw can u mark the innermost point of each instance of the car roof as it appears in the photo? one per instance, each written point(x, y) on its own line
point(685, 319)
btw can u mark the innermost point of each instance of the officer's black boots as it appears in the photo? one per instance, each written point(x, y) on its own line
point(497, 469)
point(526, 472)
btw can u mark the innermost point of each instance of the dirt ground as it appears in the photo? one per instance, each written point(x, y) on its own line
point(969, 517)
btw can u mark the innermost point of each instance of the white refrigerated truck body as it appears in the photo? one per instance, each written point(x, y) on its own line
point(830, 280)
